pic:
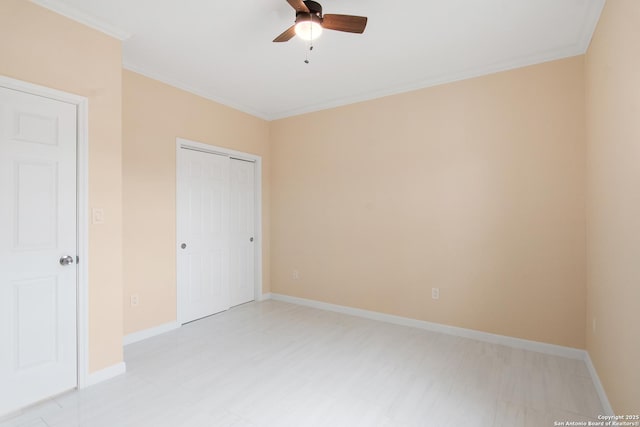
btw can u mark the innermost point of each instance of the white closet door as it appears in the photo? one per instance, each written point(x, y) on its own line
point(203, 234)
point(37, 248)
point(242, 231)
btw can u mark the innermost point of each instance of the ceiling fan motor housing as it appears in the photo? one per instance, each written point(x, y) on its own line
point(315, 8)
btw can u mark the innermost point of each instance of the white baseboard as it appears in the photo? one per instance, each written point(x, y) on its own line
point(265, 297)
point(148, 333)
point(540, 347)
point(604, 400)
point(105, 374)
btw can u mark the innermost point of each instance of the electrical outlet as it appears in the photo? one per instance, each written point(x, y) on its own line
point(295, 274)
point(135, 300)
point(435, 293)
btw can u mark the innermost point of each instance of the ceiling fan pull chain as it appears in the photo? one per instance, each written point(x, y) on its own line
point(306, 60)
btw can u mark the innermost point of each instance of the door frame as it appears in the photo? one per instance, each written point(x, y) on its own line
point(213, 149)
point(82, 202)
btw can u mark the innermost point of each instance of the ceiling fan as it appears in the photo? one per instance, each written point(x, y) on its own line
point(310, 21)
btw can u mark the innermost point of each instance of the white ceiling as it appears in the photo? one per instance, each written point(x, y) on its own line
point(223, 50)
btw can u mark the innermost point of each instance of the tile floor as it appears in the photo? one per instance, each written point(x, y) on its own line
point(278, 364)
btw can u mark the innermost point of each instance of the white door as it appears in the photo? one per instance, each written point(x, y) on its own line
point(203, 234)
point(242, 254)
point(37, 231)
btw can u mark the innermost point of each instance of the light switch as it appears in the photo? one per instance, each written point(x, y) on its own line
point(97, 216)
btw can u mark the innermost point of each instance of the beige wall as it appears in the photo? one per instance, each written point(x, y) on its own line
point(475, 187)
point(613, 180)
point(42, 47)
point(154, 114)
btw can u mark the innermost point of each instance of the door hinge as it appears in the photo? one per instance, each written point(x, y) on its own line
point(77, 259)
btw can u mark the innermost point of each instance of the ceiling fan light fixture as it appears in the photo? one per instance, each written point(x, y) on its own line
point(310, 22)
point(308, 29)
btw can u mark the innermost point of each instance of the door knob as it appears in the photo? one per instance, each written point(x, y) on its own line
point(66, 260)
point(251, 239)
point(183, 246)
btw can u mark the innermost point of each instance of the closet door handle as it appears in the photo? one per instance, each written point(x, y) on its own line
point(251, 239)
point(183, 246)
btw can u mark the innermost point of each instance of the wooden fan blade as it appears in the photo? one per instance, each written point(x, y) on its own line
point(347, 23)
point(288, 34)
point(298, 5)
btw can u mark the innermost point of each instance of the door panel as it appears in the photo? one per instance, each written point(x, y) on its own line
point(242, 254)
point(203, 228)
point(35, 190)
point(36, 309)
point(37, 228)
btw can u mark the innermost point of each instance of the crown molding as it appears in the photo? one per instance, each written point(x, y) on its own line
point(72, 13)
point(434, 81)
point(563, 53)
point(176, 83)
